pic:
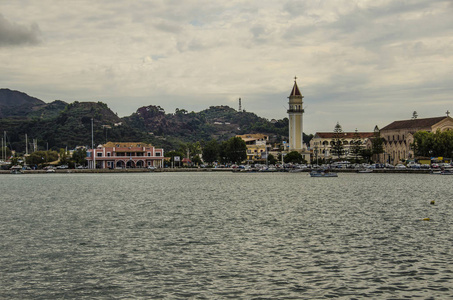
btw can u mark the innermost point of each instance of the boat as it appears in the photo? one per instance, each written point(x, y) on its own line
point(365, 171)
point(16, 170)
point(323, 173)
point(447, 172)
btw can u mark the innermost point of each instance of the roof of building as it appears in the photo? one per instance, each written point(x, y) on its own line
point(346, 135)
point(414, 123)
point(295, 91)
point(253, 137)
point(126, 144)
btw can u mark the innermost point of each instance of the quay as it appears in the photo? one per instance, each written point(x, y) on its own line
point(159, 170)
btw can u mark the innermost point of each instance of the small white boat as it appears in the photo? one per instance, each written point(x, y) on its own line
point(365, 171)
point(322, 173)
point(16, 170)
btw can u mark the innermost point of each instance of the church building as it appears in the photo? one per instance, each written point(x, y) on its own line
point(398, 136)
point(295, 114)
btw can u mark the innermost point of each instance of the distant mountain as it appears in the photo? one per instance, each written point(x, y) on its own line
point(15, 103)
point(59, 124)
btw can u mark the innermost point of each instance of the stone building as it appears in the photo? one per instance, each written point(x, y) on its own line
point(398, 136)
point(295, 116)
point(321, 143)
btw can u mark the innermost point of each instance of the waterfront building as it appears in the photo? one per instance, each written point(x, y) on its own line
point(256, 146)
point(295, 115)
point(125, 155)
point(321, 143)
point(398, 136)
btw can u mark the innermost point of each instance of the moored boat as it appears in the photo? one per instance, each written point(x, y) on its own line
point(447, 172)
point(323, 173)
point(16, 170)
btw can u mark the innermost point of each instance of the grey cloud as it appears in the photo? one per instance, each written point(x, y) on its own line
point(295, 8)
point(12, 34)
point(378, 26)
point(167, 26)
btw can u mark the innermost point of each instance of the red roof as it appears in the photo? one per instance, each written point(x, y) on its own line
point(414, 123)
point(295, 91)
point(346, 135)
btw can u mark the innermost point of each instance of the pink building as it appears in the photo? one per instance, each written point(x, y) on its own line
point(125, 155)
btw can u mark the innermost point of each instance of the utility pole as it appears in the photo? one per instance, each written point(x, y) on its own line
point(92, 145)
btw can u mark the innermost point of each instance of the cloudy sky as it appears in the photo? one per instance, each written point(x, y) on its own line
point(360, 63)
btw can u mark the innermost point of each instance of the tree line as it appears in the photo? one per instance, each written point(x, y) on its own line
point(433, 144)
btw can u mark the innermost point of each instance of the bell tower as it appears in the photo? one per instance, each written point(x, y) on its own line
point(295, 113)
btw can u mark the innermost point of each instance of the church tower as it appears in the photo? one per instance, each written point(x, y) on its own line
point(295, 113)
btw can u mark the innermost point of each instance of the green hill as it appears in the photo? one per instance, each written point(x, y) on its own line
point(17, 104)
point(59, 125)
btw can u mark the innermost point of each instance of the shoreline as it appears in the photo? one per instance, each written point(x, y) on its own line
point(110, 171)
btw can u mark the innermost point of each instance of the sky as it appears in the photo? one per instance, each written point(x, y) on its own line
point(359, 63)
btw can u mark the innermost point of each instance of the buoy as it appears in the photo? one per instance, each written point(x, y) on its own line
point(426, 219)
point(433, 202)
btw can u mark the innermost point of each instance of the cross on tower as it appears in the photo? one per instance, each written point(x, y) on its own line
point(448, 113)
point(295, 78)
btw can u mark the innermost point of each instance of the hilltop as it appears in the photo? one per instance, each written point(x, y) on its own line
point(59, 124)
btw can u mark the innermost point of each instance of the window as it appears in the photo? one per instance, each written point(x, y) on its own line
point(157, 153)
point(99, 154)
point(108, 154)
point(149, 153)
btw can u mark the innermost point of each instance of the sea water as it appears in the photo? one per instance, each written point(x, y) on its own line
point(225, 235)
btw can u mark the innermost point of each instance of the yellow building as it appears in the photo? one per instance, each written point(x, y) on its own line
point(256, 146)
point(398, 136)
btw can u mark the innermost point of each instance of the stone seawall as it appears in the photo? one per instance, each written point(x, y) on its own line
point(97, 171)
point(88, 171)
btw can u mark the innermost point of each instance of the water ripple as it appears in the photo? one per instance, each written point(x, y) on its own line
point(225, 236)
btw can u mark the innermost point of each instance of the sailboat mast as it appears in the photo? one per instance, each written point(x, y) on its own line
point(4, 145)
